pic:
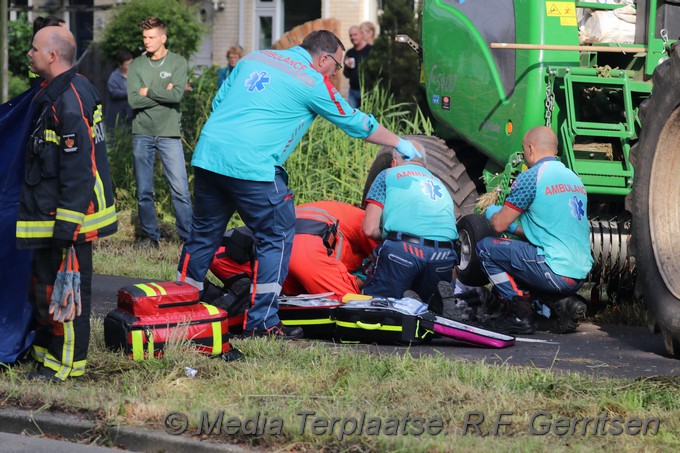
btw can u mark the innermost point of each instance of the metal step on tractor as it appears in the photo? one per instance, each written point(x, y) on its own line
point(606, 78)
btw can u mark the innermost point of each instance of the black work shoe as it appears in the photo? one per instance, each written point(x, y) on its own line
point(234, 355)
point(568, 313)
point(510, 324)
point(43, 374)
point(146, 243)
point(409, 293)
point(278, 331)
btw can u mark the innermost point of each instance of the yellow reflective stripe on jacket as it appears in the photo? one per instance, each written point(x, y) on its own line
point(97, 115)
point(96, 119)
point(99, 190)
point(51, 136)
point(216, 329)
point(66, 215)
point(34, 229)
point(27, 229)
point(99, 219)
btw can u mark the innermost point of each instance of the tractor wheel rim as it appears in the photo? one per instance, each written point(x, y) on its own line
point(465, 249)
point(664, 216)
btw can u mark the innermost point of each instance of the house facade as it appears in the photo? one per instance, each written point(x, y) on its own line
point(251, 24)
point(258, 24)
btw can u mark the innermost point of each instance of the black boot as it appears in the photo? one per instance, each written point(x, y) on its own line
point(568, 313)
point(518, 320)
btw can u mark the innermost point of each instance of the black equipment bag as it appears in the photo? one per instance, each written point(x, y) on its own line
point(381, 321)
point(312, 312)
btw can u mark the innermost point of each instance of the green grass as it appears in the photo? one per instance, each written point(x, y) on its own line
point(282, 380)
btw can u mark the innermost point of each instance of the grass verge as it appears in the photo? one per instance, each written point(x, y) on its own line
point(281, 381)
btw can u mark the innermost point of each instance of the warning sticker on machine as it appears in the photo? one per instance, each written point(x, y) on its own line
point(566, 11)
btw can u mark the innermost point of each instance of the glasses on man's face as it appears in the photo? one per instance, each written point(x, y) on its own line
point(338, 66)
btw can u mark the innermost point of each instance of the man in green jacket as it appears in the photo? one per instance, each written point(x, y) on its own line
point(156, 81)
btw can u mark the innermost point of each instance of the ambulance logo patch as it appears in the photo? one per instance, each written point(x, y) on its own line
point(431, 190)
point(257, 81)
point(576, 206)
point(70, 143)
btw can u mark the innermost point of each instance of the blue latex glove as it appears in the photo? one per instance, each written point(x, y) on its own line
point(493, 209)
point(407, 149)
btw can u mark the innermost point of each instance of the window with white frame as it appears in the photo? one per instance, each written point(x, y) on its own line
point(268, 22)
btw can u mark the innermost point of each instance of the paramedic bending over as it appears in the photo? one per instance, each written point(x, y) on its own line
point(259, 115)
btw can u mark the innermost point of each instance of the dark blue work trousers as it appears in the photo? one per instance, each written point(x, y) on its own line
point(403, 265)
point(267, 208)
point(515, 269)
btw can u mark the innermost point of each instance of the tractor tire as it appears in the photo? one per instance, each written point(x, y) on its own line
point(656, 189)
point(443, 163)
point(472, 228)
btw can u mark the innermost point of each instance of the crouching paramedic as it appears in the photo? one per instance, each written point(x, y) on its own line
point(259, 115)
point(66, 197)
point(328, 247)
point(418, 230)
point(550, 202)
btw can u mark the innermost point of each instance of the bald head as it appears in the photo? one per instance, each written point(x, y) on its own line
point(538, 143)
point(53, 52)
point(542, 137)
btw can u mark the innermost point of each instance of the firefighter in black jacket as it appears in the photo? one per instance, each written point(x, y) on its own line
point(66, 199)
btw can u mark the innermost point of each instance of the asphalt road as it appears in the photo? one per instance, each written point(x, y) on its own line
point(613, 350)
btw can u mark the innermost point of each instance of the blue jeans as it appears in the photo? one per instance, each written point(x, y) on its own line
point(402, 265)
point(514, 268)
point(169, 149)
point(267, 208)
point(354, 98)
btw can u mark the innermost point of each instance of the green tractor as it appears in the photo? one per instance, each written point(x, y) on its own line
point(493, 69)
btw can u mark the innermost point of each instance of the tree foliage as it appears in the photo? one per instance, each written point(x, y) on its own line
point(395, 63)
point(180, 16)
point(19, 36)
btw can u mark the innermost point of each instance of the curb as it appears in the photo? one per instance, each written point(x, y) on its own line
point(72, 428)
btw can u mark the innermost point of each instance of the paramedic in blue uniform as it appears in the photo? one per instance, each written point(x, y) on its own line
point(547, 205)
point(418, 229)
point(258, 116)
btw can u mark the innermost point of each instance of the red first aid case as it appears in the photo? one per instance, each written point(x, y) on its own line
point(145, 336)
point(150, 299)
